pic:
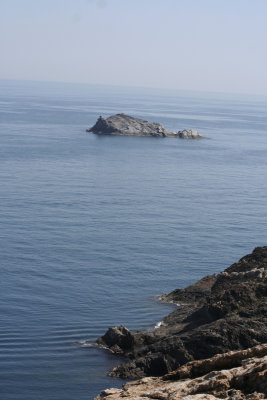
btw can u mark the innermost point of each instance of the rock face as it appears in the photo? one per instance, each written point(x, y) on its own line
point(234, 375)
point(124, 125)
point(220, 313)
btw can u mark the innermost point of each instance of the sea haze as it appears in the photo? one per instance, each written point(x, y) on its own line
point(93, 228)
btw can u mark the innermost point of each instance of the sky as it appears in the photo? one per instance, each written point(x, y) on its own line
point(210, 45)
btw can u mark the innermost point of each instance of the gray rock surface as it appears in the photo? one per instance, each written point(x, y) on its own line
point(124, 125)
point(189, 134)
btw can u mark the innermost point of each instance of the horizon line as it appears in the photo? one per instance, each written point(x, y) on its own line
point(137, 87)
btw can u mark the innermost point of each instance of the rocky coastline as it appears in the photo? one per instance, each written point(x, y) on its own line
point(125, 125)
point(221, 323)
point(236, 375)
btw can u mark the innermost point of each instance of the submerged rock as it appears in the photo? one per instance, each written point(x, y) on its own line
point(124, 125)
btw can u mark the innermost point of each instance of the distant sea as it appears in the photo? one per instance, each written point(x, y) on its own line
point(93, 228)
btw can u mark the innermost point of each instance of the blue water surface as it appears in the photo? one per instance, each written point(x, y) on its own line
point(93, 228)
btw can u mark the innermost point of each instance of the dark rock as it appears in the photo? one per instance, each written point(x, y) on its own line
point(193, 293)
point(240, 375)
point(256, 260)
point(118, 339)
point(225, 312)
point(227, 360)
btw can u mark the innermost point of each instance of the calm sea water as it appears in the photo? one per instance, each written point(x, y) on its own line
point(92, 228)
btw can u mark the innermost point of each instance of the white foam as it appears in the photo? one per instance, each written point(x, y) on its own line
point(159, 324)
point(176, 304)
point(85, 343)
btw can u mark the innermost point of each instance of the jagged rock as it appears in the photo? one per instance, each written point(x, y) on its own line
point(229, 360)
point(118, 339)
point(121, 124)
point(227, 312)
point(235, 375)
point(169, 353)
point(193, 293)
point(124, 125)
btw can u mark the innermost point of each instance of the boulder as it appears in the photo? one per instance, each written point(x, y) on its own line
point(189, 134)
point(117, 339)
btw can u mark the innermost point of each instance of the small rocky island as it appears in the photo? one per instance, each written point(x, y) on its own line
point(124, 125)
point(214, 346)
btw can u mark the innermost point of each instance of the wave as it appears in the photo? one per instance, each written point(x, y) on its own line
point(84, 343)
point(159, 324)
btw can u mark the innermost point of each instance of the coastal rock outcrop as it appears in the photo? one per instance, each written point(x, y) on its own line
point(235, 375)
point(125, 125)
point(220, 313)
point(118, 339)
point(191, 294)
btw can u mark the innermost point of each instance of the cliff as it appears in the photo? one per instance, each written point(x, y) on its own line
point(124, 125)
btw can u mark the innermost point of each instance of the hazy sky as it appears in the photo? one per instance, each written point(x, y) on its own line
point(214, 45)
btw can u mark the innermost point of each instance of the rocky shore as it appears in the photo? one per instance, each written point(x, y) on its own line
point(236, 375)
point(124, 125)
point(219, 315)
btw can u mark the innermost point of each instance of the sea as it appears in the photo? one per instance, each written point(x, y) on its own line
point(93, 228)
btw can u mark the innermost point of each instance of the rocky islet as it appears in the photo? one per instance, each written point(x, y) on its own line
point(125, 125)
